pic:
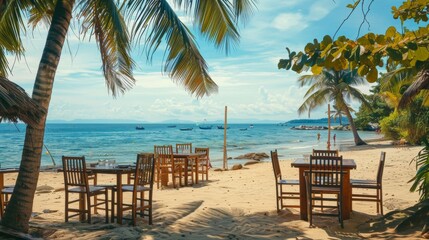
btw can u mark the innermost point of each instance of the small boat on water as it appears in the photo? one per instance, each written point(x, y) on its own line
point(207, 127)
point(251, 126)
point(139, 127)
point(221, 127)
point(186, 129)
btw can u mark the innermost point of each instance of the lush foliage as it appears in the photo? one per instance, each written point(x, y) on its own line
point(374, 112)
point(421, 180)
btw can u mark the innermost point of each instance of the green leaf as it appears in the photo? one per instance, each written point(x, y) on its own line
point(316, 70)
point(390, 32)
point(422, 54)
point(363, 70)
point(372, 75)
point(309, 48)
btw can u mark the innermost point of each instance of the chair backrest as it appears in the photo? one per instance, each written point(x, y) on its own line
point(203, 150)
point(276, 165)
point(74, 169)
point(328, 153)
point(145, 167)
point(381, 168)
point(184, 147)
point(326, 170)
point(164, 154)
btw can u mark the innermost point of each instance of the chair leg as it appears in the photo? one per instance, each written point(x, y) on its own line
point(150, 208)
point(381, 200)
point(277, 198)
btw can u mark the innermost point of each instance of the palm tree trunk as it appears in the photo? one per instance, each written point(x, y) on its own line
point(357, 139)
point(20, 207)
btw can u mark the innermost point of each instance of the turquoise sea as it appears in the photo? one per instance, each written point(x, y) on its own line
point(122, 142)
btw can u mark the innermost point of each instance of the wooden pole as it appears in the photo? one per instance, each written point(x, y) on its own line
point(329, 127)
point(225, 127)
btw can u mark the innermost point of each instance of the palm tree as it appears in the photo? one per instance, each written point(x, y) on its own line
point(336, 86)
point(338, 113)
point(153, 21)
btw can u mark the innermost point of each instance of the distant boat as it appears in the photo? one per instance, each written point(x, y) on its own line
point(186, 129)
point(221, 127)
point(171, 126)
point(207, 127)
point(251, 126)
point(139, 127)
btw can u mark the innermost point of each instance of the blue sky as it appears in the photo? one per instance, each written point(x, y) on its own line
point(249, 82)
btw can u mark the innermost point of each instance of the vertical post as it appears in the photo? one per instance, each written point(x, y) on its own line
point(225, 127)
point(329, 127)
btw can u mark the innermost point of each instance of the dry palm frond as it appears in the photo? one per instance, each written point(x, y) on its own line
point(16, 104)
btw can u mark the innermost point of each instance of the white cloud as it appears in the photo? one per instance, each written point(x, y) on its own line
point(290, 21)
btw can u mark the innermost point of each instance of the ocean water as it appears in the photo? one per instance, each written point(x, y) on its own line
point(122, 142)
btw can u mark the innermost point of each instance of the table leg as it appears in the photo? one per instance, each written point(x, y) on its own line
point(197, 160)
point(186, 171)
point(1, 195)
point(347, 196)
point(302, 195)
point(119, 197)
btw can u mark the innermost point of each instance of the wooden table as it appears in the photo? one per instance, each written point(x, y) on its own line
point(188, 157)
point(2, 172)
point(304, 165)
point(118, 172)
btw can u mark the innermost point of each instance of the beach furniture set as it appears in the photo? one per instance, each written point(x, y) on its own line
point(76, 182)
point(182, 164)
point(324, 177)
point(162, 166)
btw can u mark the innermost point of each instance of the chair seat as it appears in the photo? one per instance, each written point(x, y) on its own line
point(7, 190)
point(360, 181)
point(83, 189)
point(130, 188)
point(288, 181)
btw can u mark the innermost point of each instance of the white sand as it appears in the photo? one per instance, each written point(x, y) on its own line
point(238, 204)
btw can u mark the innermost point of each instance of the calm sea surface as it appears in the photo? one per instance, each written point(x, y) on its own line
point(122, 142)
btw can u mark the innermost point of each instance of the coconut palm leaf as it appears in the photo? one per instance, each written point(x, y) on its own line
point(421, 180)
point(421, 83)
point(156, 21)
point(16, 104)
point(103, 20)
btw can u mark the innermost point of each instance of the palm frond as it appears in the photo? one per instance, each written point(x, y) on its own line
point(244, 9)
point(16, 104)
point(156, 21)
point(421, 83)
point(4, 66)
point(11, 25)
point(421, 179)
point(104, 20)
point(42, 13)
point(313, 101)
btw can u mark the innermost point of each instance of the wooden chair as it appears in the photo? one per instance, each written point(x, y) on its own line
point(371, 184)
point(4, 199)
point(141, 190)
point(165, 165)
point(325, 176)
point(203, 162)
point(328, 153)
point(280, 183)
point(76, 182)
point(184, 147)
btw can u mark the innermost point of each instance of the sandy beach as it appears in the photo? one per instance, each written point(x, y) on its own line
point(240, 204)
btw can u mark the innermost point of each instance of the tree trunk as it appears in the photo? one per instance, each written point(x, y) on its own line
point(20, 207)
point(357, 139)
